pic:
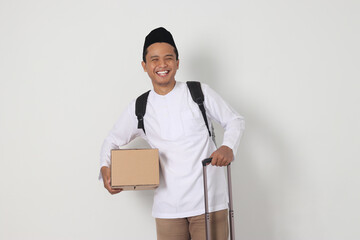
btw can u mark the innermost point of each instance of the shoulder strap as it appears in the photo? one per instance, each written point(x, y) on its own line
point(198, 97)
point(140, 109)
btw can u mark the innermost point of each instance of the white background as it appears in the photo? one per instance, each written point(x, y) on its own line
point(291, 68)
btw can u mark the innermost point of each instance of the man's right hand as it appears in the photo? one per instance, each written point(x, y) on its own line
point(105, 172)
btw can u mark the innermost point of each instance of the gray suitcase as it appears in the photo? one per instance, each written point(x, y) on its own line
point(205, 162)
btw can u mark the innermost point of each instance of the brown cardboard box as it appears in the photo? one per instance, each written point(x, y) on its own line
point(135, 169)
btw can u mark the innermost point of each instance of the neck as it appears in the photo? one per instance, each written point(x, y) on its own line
point(164, 89)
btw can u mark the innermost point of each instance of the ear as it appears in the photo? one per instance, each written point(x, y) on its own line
point(177, 63)
point(143, 65)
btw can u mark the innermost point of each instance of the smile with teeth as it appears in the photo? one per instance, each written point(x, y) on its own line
point(162, 73)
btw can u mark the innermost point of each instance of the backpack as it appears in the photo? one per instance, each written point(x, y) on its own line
point(196, 94)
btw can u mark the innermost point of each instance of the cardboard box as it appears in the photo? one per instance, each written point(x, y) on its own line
point(135, 169)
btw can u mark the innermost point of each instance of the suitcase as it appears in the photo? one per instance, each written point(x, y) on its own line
point(205, 162)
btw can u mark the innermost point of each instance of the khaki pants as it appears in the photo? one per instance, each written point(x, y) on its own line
point(193, 227)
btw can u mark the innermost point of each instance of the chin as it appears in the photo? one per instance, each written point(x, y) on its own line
point(163, 82)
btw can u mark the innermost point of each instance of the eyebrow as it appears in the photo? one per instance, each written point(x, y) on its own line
point(167, 55)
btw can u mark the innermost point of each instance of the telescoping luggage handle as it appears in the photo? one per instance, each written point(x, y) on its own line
point(205, 162)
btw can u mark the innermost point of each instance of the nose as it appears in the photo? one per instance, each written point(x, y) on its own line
point(162, 63)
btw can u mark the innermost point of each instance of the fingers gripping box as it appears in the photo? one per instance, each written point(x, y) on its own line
point(135, 169)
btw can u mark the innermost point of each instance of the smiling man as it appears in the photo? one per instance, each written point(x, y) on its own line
point(181, 131)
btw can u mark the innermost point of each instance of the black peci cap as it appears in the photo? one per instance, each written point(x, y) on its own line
point(159, 35)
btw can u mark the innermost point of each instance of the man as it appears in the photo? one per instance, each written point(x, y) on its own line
point(174, 124)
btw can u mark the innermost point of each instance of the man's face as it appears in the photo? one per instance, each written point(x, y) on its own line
point(161, 64)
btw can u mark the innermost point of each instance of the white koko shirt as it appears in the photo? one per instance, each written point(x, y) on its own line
point(174, 124)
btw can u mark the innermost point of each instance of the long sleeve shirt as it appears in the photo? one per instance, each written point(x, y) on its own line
point(174, 125)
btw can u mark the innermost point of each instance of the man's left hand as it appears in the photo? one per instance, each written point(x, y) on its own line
point(222, 157)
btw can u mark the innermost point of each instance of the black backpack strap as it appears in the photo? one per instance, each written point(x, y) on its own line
point(198, 97)
point(140, 109)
